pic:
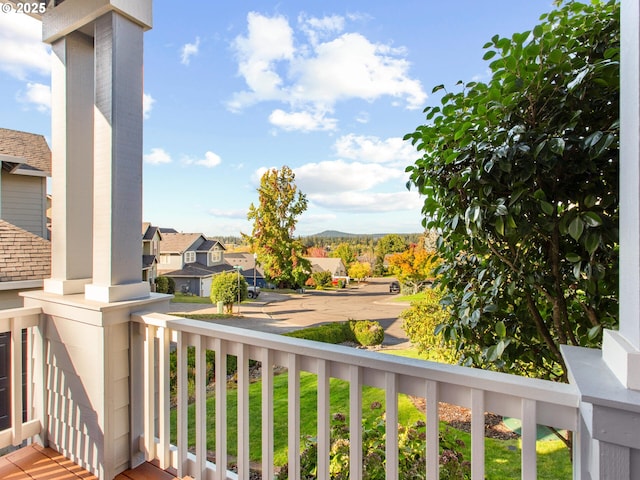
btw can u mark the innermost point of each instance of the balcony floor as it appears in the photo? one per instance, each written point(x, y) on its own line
point(36, 462)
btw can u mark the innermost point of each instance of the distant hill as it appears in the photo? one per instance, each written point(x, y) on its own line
point(337, 234)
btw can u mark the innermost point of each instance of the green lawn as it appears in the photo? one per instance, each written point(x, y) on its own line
point(502, 457)
point(182, 298)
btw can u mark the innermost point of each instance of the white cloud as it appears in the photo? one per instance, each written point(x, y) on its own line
point(338, 176)
point(38, 95)
point(147, 104)
point(210, 160)
point(302, 121)
point(157, 157)
point(368, 202)
point(312, 77)
point(21, 49)
point(189, 50)
point(393, 150)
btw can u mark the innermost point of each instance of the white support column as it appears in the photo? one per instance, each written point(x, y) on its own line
point(621, 350)
point(72, 158)
point(117, 221)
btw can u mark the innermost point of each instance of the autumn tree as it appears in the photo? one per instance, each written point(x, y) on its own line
point(280, 203)
point(360, 270)
point(392, 243)
point(415, 267)
point(520, 176)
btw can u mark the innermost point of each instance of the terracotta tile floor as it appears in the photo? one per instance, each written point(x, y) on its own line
point(35, 462)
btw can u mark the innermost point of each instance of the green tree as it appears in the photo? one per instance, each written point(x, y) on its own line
point(224, 288)
point(392, 243)
point(521, 177)
point(345, 252)
point(280, 203)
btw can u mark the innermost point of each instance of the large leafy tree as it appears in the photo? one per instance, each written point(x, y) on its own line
point(274, 221)
point(414, 268)
point(520, 175)
point(392, 243)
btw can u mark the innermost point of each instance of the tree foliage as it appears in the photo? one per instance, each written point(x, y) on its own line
point(345, 252)
point(274, 222)
point(224, 288)
point(415, 267)
point(392, 243)
point(521, 177)
point(360, 270)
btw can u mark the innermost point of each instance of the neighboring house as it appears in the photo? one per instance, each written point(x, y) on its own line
point(326, 264)
point(25, 260)
point(250, 271)
point(151, 238)
point(191, 260)
point(25, 252)
point(25, 164)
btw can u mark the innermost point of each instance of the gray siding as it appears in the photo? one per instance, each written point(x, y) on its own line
point(23, 202)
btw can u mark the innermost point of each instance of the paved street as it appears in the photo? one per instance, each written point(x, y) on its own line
point(278, 313)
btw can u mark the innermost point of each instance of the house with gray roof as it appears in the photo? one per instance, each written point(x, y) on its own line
point(25, 164)
point(151, 237)
point(251, 271)
point(25, 252)
point(333, 265)
point(192, 260)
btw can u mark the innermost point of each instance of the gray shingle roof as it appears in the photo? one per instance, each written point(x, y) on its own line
point(23, 255)
point(28, 148)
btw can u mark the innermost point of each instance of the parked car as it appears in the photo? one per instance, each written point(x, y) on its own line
point(253, 292)
point(394, 287)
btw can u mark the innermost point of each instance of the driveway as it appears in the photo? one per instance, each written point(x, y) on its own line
point(278, 313)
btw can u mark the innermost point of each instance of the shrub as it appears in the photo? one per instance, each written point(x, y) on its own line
point(162, 284)
point(335, 333)
point(411, 458)
point(367, 332)
point(421, 321)
point(171, 287)
point(224, 288)
point(321, 278)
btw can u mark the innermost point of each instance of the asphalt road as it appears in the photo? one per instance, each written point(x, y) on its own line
point(278, 313)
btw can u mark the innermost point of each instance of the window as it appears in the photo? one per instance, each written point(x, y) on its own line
point(165, 259)
point(189, 257)
point(215, 256)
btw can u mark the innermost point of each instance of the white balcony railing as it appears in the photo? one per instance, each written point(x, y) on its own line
point(25, 423)
point(535, 402)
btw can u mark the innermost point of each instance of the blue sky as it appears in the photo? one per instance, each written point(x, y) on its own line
point(328, 88)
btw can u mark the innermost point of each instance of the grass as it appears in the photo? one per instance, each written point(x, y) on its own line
point(409, 298)
point(502, 456)
point(182, 298)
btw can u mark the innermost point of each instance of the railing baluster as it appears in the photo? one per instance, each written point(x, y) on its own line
point(201, 408)
point(433, 431)
point(149, 394)
point(324, 442)
point(529, 436)
point(391, 444)
point(221, 409)
point(355, 422)
point(16, 380)
point(243, 412)
point(164, 425)
point(477, 434)
point(183, 405)
point(267, 414)
point(294, 415)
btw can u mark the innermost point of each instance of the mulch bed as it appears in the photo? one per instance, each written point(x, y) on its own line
point(460, 419)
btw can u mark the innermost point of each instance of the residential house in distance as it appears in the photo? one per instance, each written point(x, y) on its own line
point(251, 272)
point(25, 252)
point(151, 238)
point(192, 260)
point(327, 264)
